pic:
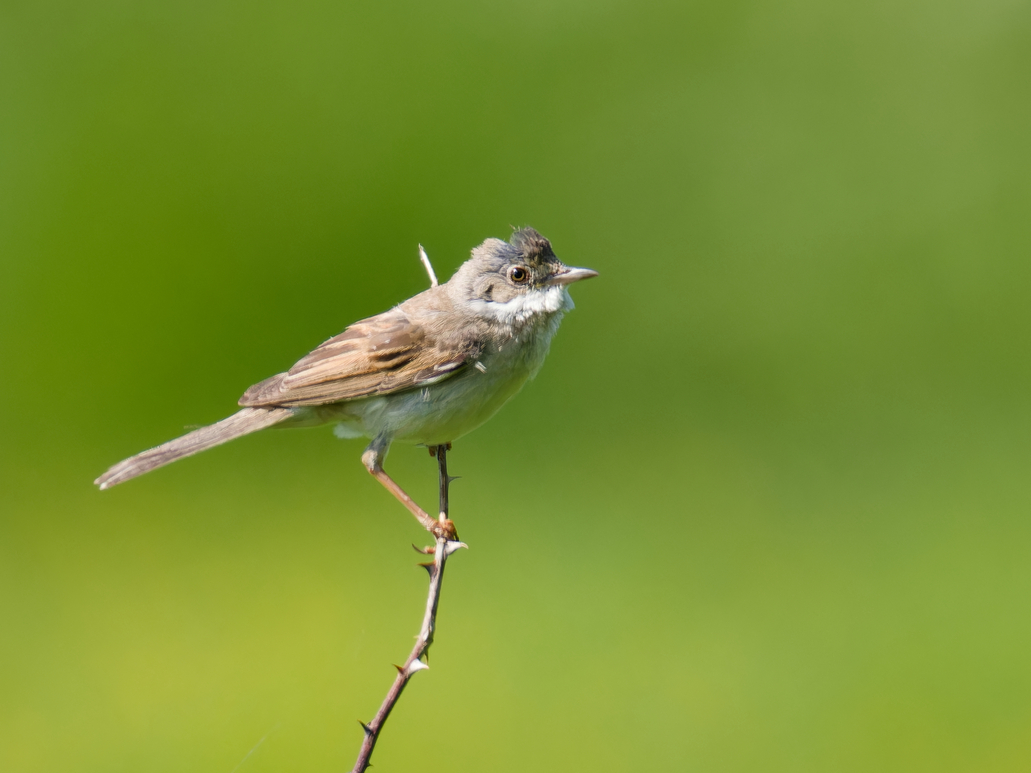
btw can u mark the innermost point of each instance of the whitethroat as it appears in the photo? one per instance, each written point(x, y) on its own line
point(426, 372)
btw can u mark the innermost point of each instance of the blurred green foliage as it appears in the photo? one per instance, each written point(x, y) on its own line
point(764, 509)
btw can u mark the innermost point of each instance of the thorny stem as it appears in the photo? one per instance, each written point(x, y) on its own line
point(426, 264)
point(415, 663)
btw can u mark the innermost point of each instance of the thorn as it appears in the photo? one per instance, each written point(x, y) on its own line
point(426, 264)
point(400, 669)
point(417, 665)
point(366, 728)
point(425, 551)
point(452, 478)
point(428, 567)
point(452, 545)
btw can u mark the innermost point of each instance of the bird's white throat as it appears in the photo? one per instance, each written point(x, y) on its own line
point(524, 308)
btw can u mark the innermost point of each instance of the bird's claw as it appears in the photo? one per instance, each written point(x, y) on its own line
point(445, 528)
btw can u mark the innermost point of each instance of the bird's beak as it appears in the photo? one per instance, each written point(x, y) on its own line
point(569, 275)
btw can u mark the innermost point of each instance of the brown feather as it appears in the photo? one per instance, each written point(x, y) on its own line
point(240, 423)
point(380, 355)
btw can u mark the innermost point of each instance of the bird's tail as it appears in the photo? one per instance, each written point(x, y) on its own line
point(240, 423)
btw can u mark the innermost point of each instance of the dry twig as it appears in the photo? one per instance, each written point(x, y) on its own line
point(415, 663)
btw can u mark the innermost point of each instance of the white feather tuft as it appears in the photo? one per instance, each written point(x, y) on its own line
point(522, 308)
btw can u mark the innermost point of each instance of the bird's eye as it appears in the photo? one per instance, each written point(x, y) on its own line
point(518, 274)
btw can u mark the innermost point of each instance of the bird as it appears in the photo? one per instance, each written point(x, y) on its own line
point(426, 372)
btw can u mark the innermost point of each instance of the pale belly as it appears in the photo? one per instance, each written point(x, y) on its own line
point(433, 415)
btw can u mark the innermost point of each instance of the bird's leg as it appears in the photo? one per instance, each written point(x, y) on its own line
point(372, 459)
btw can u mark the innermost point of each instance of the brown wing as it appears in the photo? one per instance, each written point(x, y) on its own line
point(383, 354)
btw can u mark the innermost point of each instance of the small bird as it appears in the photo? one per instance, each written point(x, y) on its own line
point(426, 372)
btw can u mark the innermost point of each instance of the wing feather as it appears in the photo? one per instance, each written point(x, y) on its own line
point(380, 355)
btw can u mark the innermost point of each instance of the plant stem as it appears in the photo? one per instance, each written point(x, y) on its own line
point(415, 663)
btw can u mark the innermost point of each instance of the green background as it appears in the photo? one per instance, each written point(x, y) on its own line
point(766, 506)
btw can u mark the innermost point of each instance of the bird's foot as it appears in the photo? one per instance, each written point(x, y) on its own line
point(445, 528)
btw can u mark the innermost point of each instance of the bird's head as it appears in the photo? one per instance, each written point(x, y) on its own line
point(517, 280)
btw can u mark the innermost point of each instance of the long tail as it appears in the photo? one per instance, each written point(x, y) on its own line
point(240, 423)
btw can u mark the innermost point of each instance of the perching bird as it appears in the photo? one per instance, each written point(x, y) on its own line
point(426, 372)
